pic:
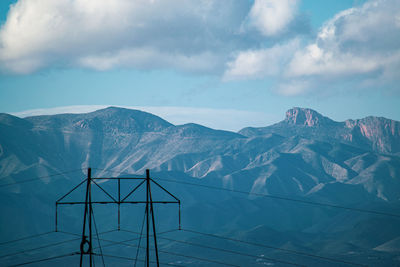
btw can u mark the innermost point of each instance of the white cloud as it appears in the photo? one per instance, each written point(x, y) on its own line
point(187, 35)
point(314, 60)
point(262, 62)
point(213, 118)
point(357, 41)
point(360, 43)
point(194, 36)
point(271, 17)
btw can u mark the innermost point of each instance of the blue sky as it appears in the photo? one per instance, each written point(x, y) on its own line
point(223, 63)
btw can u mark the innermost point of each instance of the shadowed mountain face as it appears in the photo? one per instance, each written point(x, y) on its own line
point(306, 156)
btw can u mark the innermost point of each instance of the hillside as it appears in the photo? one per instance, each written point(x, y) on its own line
point(306, 156)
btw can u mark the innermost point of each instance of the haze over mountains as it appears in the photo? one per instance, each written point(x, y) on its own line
point(306, 156)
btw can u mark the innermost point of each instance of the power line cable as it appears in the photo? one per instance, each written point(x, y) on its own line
point(286, 198)
point(37, 248)
point(25, 238)
point(69, 233)
point(126, 258)
point(272, 247)
point(114, 243)
point(173, 253)
point(229, 251)
point(198, 258)
point(38, 178)
point(46, 259)
point(259, 245)
point(42, 234)
point(271, 196)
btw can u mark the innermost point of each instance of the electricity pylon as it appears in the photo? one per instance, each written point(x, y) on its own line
point(86, 247)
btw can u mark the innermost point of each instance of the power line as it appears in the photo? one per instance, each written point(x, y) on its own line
point(46, 259)
point(24, 238)
point(102, 233)
point(285, 198)
point(37, 248)
point(38, 178)
point(110, 231)
point(42, 247)
point(114, 243)
point(227, 250)
point(126, 258)
point(254, 244)
point(271, 196)
point(171, 253)
point(229, 190)
point(277, 248)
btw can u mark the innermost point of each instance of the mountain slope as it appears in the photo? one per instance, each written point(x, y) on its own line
point(306, 156)
point(372, 133)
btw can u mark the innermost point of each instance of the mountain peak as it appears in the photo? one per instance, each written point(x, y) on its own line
point(129, 119)
point(306, 117)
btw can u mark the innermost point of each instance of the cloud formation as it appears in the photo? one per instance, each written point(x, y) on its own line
point(259, 63)
point(356, 41)
point(271, 17)
point(361, 42)
point(113, 33)
point(194, 36)
point(234, 39)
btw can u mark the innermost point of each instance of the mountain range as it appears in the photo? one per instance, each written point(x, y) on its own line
point(306, 156)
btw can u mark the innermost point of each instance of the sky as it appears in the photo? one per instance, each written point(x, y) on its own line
point(226, 64)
